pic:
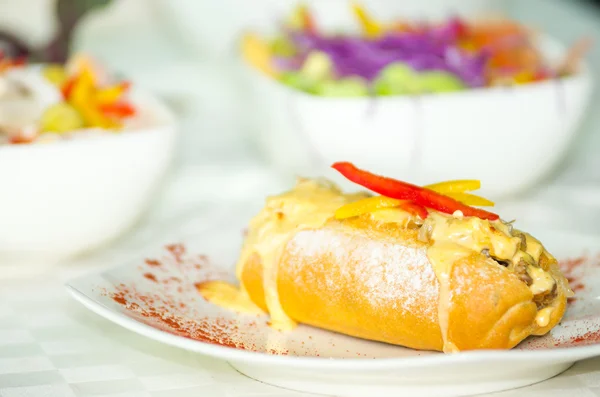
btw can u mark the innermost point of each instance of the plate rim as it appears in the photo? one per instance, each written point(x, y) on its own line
point(557, 355)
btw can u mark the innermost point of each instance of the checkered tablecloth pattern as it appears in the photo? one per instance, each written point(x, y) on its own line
point(50, 346)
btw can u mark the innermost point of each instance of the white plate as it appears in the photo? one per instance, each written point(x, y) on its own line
point(164, 305)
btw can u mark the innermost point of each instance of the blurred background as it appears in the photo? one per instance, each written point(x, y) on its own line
point(185, 52)
point(184, 49)
point(68, 208)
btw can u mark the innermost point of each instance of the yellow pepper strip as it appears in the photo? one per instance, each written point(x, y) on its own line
point(82, 98)
point(296, 19)
point(301, 19)
point(471, 199)
point(365, 206)
point(111, 94)
point(458, 186)
point(94, 118)
point(370, 27)
point(456, 190)
point(257, 52)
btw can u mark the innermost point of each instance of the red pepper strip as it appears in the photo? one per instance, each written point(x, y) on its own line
point(67, 88)
point(120, 109)
point(21, 139)
point(20, 61)
point(462, 29)
point(414, 209)
point(541, 75)
point(405, 191)
point(448, 205)
point(385, 186)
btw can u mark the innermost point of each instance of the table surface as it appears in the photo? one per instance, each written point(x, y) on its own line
point(51, 346)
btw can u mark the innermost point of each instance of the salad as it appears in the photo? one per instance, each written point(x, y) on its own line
point(402, 57)
point(42, 103)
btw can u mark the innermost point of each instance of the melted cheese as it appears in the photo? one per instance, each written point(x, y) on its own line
point(313, 202)
point(225, 294)
point(309, 205)
point(392, 215)
point(534, 248)
point(475, 234)
point(523, 256)
point(542, 281)
point(542, 318)
point(443, 255)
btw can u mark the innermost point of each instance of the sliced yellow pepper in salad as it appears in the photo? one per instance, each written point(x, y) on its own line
point(87, 102)
point(302, 19)
point(370, 27)
point(257, 52)
point(83, 98)
point(111, 94)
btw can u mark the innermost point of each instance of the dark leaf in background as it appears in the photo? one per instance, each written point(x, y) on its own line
point(13, 47)
point(69, 13)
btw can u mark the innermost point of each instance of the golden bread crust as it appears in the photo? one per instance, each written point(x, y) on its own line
point(374, 281)
point(490, 308)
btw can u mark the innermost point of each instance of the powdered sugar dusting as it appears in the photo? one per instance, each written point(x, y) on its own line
point(387, 274)
point(487, 275)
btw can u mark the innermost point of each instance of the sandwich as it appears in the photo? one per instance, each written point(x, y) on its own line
point(419, 267)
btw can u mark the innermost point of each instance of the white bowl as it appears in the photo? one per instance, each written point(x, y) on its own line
point(62, 198)
point(509, 138)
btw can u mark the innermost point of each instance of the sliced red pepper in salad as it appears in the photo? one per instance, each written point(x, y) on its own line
point(119, 109)
point(67, 88)
point(405, 191)
point(21, 139)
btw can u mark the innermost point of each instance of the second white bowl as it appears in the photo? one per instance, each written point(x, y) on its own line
point(509, 138)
